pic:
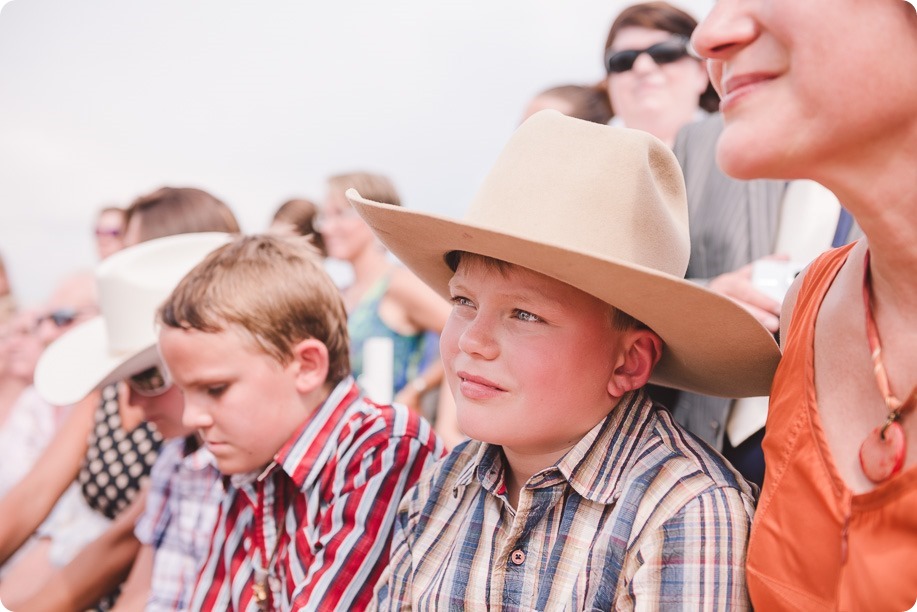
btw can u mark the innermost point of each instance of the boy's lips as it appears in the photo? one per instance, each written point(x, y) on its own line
point(478, 387)
point(740, 85)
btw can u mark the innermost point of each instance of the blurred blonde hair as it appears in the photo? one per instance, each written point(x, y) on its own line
point(374, 187)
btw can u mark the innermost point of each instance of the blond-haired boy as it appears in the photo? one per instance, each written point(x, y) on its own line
point(576, 490)
point(256, 338)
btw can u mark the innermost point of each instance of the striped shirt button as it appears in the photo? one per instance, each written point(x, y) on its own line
point(517, 557)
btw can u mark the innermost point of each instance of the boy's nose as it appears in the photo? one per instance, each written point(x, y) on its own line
point(478, 339)
point(194, 416)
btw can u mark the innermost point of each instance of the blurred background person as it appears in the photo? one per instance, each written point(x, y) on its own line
point(109, 230)
point(296, 217)
point(385, 300)
point(7, 301)
point(103, 453)
point(587, 102)
point(654, 84)
point(30, 423)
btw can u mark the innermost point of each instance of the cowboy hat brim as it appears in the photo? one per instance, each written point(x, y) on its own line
point(80, 361)
point(712, 345)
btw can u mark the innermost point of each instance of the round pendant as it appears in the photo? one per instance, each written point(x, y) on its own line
point(883, 458)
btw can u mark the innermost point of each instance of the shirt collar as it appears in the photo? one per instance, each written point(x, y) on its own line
point(595, 467)
point(305, 454)
point(195, 455)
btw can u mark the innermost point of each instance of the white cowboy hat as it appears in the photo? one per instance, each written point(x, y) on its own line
point(121, 341)
point(602, 209)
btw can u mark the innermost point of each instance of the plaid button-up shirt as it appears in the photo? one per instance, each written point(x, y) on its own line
point(317, 521)
point(181, 510)
point(639, 514)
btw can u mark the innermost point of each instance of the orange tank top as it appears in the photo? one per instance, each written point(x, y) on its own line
point(814, 544)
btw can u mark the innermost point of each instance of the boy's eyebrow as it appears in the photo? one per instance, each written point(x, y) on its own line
point(524, 294)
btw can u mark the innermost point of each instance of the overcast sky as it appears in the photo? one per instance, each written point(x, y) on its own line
point(103, 100)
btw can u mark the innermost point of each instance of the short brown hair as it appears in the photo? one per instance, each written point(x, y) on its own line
point(180, 210)
point(300, 213)
point(661, 16)
point(272, 287)
point(620, 320)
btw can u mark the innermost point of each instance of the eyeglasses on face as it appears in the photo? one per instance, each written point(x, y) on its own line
point(665, 52)
point(152, 382)
point(62, 317)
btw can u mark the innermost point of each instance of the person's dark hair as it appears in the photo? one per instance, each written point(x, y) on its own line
point(661, 16)
point(180, 210)
point(590, 102)
point(300, 213)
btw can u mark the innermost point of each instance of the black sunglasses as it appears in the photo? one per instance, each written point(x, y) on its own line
point(62, 317)
point(666, 52)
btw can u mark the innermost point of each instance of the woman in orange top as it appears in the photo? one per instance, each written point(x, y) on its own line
point(826, 90)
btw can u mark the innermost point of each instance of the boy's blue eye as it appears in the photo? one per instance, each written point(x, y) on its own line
point(524, 315)
point(458, 300)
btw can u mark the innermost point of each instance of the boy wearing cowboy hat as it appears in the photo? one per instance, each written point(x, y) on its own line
point(575, 491)
point(256, 338)
point(120, 345)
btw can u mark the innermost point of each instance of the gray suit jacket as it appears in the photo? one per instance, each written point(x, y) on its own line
point(732, 223)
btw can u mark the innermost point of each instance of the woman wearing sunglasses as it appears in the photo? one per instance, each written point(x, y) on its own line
point(825, 89)
point(654, 84)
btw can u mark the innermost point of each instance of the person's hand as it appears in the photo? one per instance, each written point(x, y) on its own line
point(737, 286)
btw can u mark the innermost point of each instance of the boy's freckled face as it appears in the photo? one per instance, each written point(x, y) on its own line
point(528, 358)
point(244, 404)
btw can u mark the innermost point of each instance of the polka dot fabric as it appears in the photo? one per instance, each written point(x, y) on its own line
point(117, 461)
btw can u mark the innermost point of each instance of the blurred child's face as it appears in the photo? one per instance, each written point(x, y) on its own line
point(164, 410)
point(529, 358)
point(244, 404)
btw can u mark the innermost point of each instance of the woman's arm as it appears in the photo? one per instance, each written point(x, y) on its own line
point(29, 502)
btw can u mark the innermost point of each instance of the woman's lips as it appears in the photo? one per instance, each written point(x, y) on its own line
point(739, 86)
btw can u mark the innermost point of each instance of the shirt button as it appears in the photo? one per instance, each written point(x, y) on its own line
point(517, 557)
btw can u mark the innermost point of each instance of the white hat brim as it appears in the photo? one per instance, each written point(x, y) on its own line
point(78, 362)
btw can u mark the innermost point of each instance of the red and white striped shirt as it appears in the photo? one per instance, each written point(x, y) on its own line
point(315, 526)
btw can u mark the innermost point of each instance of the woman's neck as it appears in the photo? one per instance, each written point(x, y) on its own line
point(882, 197)
point(370, 265)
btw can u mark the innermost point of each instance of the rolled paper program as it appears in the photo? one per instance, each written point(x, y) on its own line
point(377, 380)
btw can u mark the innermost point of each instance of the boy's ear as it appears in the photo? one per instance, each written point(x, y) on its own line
point(310, 360)
point(640, 353)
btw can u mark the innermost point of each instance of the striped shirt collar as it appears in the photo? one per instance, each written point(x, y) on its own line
point(595, 467)
point(304, 455)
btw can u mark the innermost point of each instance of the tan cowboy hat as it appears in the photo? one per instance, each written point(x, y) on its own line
point(121, 341)
point(602, 209)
